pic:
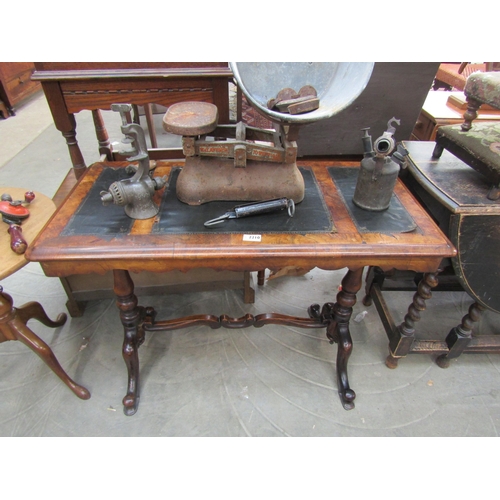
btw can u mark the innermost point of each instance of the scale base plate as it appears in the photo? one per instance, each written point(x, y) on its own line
point(205, 179)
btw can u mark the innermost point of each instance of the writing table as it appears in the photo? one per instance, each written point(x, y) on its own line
point(327, 232)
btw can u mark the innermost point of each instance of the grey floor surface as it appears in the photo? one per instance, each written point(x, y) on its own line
point(272, 381)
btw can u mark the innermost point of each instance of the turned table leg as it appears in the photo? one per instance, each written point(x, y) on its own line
point(13, 327)
point(460, 336)
point(132, 317)
point(74, 149)
point(400, 344)
point(66, 124)
point(137, 320)
point(346, 299)
point(102, 134)
point(338, 331)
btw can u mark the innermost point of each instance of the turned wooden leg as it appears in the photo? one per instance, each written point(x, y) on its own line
point(102, 134)
point(131, 316)
point(13, 327)
point(401, 343)
point(74, 149)
point(460, 336)
point(338, 331)
point(471, 114)
point(66, 124)
point(336, 317)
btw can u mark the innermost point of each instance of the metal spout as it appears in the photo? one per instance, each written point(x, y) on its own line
point(367, 143)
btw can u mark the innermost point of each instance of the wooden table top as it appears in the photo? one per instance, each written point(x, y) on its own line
point(41, 208)
point(438, 106)
point(456, 186)
point(143, 249)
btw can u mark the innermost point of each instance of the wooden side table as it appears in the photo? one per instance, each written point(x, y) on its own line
point(73, 87)
point(13, 321)
point(455, 195)
point(326, 232)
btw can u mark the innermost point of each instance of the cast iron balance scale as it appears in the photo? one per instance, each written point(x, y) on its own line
point(245, 164)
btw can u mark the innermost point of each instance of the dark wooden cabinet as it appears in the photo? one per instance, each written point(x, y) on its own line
point(16, 85)
point(395, 89)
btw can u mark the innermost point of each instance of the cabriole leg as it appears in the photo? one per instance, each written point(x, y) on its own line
point(13, 327)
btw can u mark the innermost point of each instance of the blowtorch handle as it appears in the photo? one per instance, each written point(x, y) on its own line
point(17, 242)
point(264, 207)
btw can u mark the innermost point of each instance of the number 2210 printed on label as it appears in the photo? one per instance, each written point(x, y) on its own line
point(252, 237)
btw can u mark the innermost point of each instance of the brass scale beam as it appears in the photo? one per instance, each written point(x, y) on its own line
point(282, 150)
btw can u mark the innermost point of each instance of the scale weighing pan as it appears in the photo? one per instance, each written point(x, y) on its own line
point(243, 163)
point(338, 84)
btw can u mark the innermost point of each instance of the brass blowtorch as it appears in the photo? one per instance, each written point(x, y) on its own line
point(379, 170)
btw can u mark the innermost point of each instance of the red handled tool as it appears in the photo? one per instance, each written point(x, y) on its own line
point(13, 213)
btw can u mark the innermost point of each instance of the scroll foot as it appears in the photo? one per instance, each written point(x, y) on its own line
point(130, 404)
point(347, 397)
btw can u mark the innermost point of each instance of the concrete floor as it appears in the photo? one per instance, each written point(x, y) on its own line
point(273, 381)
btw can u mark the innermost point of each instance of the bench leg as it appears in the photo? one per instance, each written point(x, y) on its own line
point(438, 151)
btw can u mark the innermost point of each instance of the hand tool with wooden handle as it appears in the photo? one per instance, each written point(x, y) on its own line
point(13, 213)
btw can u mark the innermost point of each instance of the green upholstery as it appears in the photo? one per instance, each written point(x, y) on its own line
point(482, 141)
point(484, 87)
point(476, 144)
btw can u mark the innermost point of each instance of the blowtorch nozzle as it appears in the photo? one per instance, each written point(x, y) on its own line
point(385, 144)
point(367, 143)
